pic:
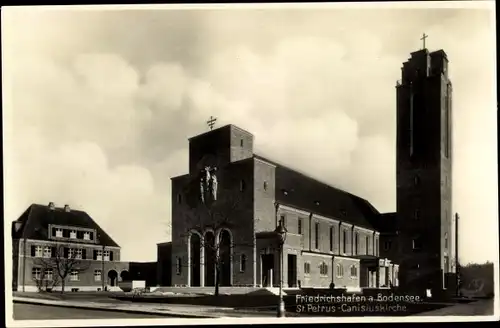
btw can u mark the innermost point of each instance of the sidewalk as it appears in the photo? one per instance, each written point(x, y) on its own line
point(481, 307)
point(168, 310)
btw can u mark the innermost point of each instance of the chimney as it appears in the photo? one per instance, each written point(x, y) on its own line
point(66, 208)
point(51, 206)
point(16, 227)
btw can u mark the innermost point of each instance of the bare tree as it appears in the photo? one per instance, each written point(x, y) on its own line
point(64, 259)
point(216, 213)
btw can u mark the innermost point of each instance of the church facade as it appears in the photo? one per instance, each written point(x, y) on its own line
point(226, 208)
point(224, 220)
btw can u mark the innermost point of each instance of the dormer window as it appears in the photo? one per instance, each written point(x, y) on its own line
point(59, 233)
point(72, 234)
point(86, 235)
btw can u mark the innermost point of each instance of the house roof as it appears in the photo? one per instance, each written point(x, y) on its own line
point(298, 190)
point(36, 219)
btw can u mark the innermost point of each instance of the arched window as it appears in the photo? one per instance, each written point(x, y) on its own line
point(323, 269)
point(340, 271)
point(307, 268)
point(354, 271)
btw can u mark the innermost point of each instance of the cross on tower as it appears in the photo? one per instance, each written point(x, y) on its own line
point(211, 122)
point(424, 36)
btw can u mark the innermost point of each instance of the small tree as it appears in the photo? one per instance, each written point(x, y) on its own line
point(64, 259)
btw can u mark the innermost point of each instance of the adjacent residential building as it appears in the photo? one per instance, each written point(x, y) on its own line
point(55, 247)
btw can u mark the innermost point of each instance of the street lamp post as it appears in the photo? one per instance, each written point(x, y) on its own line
point(281, 236)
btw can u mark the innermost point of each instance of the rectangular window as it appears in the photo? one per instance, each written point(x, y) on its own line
point(59, 233)
point(344, 241)
point(299, 227)
point(36, 273)
point(78, 254)
point(97, 275)
point(71, 253)
point(331, 239)
point(74, 275)
point(38, 251)
point(49, 275)
point(376, 246)
point(107, 256)
point(86, 235)
point(243, 262)
point(283, 220)
point(72, 234)
point(356, 243)
point(47, 252)
point(178, 266)
point(367, 245)
point(316, 235)
point(98, 255)
point(417, 244)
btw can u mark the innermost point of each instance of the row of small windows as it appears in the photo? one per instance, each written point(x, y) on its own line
point(48, 274)
point(332, 236)
point(72, 234)
point(70, 253)
point(323, 270)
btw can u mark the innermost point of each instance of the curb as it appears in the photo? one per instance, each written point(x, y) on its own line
point(96, 308)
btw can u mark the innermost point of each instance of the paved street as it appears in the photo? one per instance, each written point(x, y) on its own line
point(44, 312)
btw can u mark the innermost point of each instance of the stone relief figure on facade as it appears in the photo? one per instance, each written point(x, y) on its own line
point(213, 183)
point(208, 184)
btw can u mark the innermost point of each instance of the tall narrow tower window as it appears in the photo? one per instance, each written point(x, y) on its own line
point(412, 123)
point(447, 122)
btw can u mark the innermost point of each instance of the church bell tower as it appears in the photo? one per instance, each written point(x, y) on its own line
point(424, 171)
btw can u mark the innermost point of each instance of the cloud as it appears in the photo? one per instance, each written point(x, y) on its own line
point(102, 123)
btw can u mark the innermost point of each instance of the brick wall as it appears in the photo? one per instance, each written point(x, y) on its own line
point(86, 277)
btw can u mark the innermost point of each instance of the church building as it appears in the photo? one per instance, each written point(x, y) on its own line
point(226, 208)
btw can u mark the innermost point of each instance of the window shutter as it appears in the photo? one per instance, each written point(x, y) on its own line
point(54, 252)
point(79, 234)
point(95, 255)
point(84, 253)
point(53, 232)
point(33, 250)
point(91, 236)
point(111, 255)
point(66, 233)
point(66, 252)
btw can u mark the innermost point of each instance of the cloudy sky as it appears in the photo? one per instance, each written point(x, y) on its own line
point(98, 105)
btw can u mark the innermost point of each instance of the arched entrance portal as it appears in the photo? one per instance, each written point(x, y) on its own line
point(112, 277)
point(125, 275)
point(195, 257)
point(225, 258)
point(209, 258)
